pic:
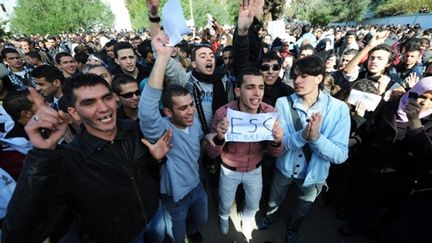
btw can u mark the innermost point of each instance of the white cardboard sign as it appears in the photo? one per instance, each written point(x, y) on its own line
point(247, 127)
point(371, 100)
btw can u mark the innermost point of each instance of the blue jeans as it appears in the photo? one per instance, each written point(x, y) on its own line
point(194, 204)
point(154, 231)
point(305, 196)
point(228, 183)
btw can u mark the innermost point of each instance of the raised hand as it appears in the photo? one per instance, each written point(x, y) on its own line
point(161, 147)
point(160, 44)
point(153, 6)
point(378, 38)
point(411, 80)
point(46, 119)
point(246, 16)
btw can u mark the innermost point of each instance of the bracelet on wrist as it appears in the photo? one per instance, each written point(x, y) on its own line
point(154, 19)
point(218, 141)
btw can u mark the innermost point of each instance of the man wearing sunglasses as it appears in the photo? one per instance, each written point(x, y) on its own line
point(248, 54)
point(274, 87)
point(316, 129)
point(127, 95)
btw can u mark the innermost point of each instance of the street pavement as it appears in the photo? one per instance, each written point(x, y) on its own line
point(319, 226)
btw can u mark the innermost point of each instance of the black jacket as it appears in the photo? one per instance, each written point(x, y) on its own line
point(106, 184)
point(142, 72)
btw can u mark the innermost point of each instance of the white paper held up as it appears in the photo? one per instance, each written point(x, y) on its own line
point(174, 22)
point(247, 127)
point(371, 100)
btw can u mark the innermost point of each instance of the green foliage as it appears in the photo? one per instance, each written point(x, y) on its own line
point(225, 11)
point(399, 7)
point(324, 12)
point(56, 16)
point(3, 31)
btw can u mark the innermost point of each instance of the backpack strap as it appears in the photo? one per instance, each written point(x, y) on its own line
point(196, 93)
point(298, 126)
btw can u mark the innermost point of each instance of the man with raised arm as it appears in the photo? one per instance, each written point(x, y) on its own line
point(100, 180)
point(182, 193)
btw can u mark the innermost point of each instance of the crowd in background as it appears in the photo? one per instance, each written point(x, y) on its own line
point(383, 189)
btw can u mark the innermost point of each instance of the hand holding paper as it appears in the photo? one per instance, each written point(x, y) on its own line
point(247, 127)
point(370, 100)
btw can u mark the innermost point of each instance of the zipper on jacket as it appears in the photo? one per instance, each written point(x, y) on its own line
point(132, 177)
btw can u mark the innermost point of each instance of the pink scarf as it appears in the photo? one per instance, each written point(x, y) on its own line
point(421, 87)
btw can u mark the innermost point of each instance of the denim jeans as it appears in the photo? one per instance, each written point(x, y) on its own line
point(194, 205)
point(228, 183)
point(305, 196)
point(154, 231)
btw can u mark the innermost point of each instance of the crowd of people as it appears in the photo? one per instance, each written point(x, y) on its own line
point(119, 137)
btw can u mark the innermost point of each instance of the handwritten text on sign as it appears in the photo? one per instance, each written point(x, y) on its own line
point(246, 127)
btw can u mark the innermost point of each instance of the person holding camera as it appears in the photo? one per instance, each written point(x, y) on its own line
point(394, 161)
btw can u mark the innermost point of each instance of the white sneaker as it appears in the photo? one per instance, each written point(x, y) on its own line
point(247, 227)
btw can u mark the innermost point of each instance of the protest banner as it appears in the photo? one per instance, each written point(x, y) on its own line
point(247, 127)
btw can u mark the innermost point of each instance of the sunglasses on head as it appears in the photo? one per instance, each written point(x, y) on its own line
point(274, 67)
point(131, 94)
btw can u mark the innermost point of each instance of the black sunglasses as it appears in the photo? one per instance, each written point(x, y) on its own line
point(130, 94)
point(274, 67)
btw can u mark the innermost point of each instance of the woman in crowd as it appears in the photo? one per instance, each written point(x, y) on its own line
point(395, 160)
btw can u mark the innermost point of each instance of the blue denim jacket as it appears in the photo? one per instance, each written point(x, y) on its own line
point(331, 146)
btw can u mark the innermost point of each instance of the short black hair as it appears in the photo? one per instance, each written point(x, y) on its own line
point(310, 65)
point(171, 91)
point(24, 39)
point(248, 72)
point(81, 57)
point(144, 49)
point(306, 28)
point(34, 54)
point(16, 102)
point(196, 48)
point(120, 46)
point(48, 72)
point(365, 85)
point(350, 32)
point(8, 50)
point(307, 47)
point(411, 47)
point(119, 80)
point(228, 48)
point(110, 43)
point(60, 55)
point(270, 56)
point(77, 81)
point(87, 67)
point(387, 48)
point(350, 52)
point(424, 40)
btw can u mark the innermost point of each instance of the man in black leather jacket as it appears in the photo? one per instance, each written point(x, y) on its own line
point(100, 179)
